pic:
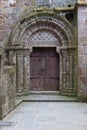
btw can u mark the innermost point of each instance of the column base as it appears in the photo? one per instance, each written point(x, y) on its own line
point(63, 92)
point(71, 93)
point(68, 93)
point(19, 93)
point(26, 92)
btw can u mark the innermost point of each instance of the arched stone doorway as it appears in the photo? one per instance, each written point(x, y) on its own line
point(44, 69)
point(44, 30)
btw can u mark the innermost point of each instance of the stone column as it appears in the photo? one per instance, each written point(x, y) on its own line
point(73, 73)
point(68, 71)
point(19, 73)
point(60, 68)
point(60, 73)
point(26, 72)
point(11, 54)
point(70, 77)
point(30, 51)
point(64, 78)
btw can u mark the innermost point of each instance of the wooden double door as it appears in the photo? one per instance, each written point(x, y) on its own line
point(44, 69)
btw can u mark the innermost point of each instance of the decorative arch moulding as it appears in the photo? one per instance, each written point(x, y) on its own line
point(52, 22)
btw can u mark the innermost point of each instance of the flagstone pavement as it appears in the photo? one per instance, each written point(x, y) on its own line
point(47, 116)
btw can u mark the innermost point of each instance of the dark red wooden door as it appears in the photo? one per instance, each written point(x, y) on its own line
point(44, 69)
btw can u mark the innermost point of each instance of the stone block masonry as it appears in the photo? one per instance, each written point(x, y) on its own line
point(82, 52)
point(7, 95)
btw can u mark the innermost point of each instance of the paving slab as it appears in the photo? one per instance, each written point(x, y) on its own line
point(48, 116)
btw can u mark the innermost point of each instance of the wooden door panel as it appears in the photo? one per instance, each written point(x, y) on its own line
point(35, 67)
point(51, 84)
point(53, 67)
point(37, 84)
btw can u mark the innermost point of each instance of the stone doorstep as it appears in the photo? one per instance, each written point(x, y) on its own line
point(49, 100)
point(41, 96)
point(44, 98)
point(44, 92)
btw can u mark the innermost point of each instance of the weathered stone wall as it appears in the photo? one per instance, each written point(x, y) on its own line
point(10, 13)
point(82, 52)
point(7, 90)
point(1, 97)
point(0, 90)
point(8, 18)
point(55, 3)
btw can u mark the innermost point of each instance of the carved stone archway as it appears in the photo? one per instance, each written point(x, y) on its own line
point(45, 29)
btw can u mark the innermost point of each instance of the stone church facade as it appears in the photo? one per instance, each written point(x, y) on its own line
point(43, 47)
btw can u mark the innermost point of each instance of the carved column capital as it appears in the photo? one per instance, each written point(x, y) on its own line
point(58, 50)
point(30, 49)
